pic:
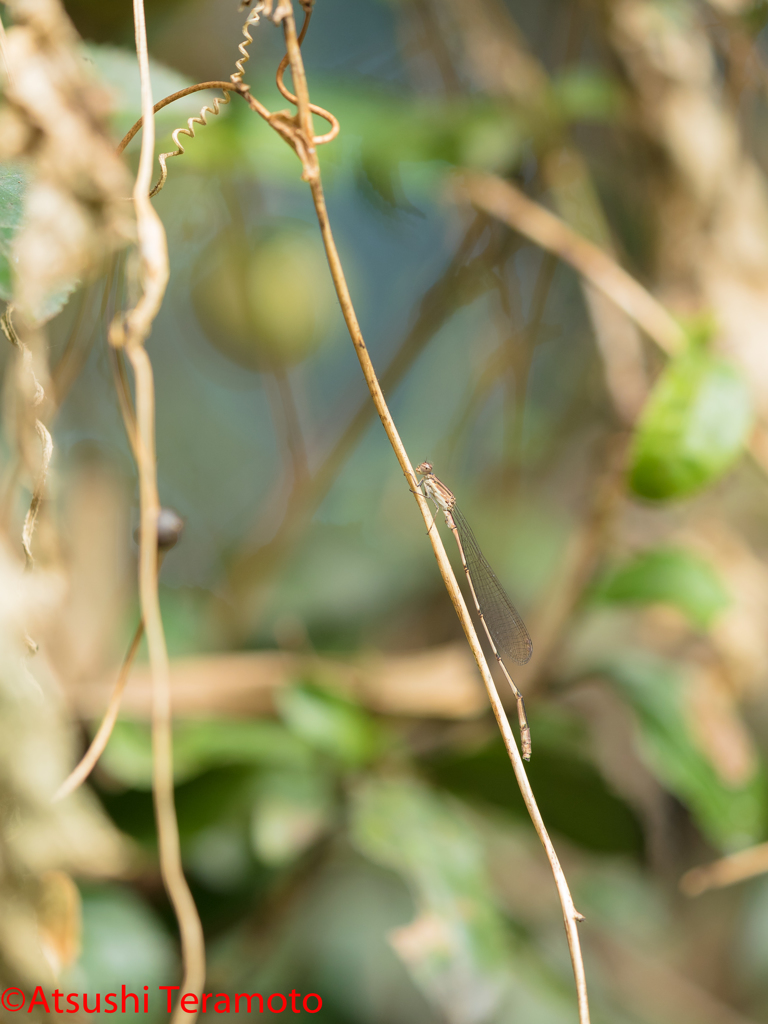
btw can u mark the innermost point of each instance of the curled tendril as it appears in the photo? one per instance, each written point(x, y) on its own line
point(317, 140)
point(252, 19)
point(218, 102)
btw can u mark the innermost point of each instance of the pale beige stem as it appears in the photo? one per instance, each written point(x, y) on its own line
point(312, 174)
point(132, 334)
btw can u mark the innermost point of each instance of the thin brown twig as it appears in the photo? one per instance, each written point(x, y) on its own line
point(226, 86)
point(130, 332)
point(302, 141)
point(87, 763)
point(502, 200)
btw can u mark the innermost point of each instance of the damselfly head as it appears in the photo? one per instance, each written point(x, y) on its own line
point(425, 468)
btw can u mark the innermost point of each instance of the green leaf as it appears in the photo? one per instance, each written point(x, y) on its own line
point(198, 746)
point(668, 576)
point(729, 816)
point(292, 810)
point(692, 429)
point(329, 723)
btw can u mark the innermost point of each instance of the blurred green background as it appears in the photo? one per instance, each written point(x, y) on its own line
point(341, 841)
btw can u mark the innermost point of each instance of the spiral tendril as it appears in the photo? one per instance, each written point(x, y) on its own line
point(252, 19)
point(218, 102)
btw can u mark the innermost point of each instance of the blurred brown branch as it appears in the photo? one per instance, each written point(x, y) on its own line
point(435, 683)
point(503, 200)
point(737, 867)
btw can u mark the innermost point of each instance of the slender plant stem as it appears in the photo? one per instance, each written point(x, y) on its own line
point(87, 763)
point(130, 334)
point(312, 175)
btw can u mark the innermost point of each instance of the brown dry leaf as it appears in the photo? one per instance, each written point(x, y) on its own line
point(75, 209)
point(59, 920)
point(36, 746)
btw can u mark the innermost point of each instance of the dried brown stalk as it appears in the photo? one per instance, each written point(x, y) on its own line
point(299, 133)
point(130, 333)
point(508, 204)
point(737, 867)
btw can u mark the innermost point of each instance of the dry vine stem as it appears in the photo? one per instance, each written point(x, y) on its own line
point(130, 333)
point(299, 133)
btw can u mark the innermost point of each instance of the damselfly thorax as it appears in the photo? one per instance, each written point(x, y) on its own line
point(434, 488)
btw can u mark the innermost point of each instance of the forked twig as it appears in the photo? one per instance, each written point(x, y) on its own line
point(298, 132)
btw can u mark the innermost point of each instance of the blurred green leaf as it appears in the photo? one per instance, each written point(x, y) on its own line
point(124, 943)
point(118, 70)
point(198, 746)
point(730, 817)
point(461, 956)
point(693, 427)
point(329, 723)
point(668, 576)
point(13, 185)
point(292, 809)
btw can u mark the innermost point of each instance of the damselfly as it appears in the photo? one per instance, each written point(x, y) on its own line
point(501, 621)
